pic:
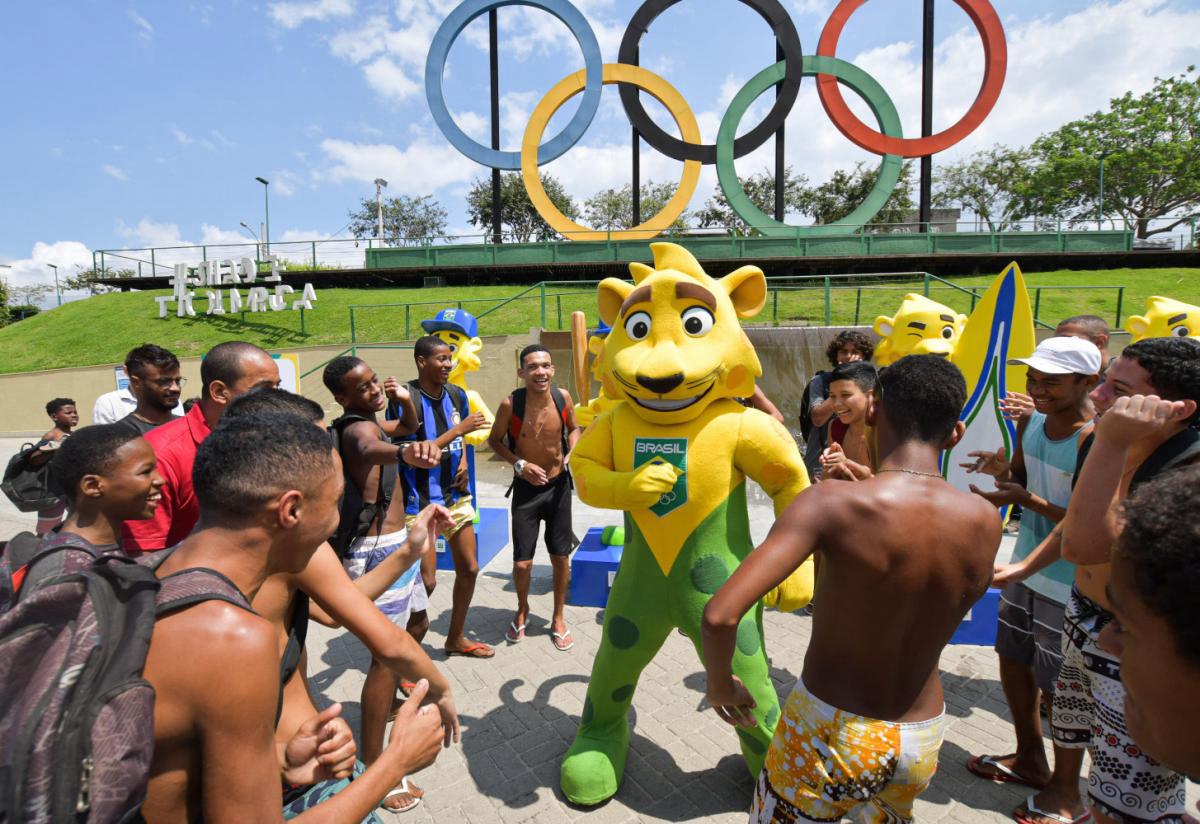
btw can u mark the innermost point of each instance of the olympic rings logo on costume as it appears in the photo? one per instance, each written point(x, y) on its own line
point(887, 140)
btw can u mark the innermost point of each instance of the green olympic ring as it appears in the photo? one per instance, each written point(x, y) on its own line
point(868, 89)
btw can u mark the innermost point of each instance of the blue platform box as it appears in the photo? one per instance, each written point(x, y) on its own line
point(593, 568)
point(979, 627)
point(491, 536)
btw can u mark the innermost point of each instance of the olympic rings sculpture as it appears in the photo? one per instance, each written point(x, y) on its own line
point(828, 71)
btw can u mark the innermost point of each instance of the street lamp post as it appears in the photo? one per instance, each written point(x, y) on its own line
point(257, 242)
point(266, 241)
point(380, 185)
point(1100, 200)
point(57, 291)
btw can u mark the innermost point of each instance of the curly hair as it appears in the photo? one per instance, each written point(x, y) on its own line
point(1161, 539)
point(922, 397)
point(849, 337)
point(58, 403)
point(1174, 368)
point(92, 450)
point(336, 370)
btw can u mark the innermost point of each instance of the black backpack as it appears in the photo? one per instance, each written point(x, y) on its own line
point(28, 486)
point(806, 424)
point(77, 720)
point(518, 416)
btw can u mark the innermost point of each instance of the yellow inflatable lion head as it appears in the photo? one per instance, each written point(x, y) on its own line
point(921, 327)
point(676, 343)
point(1165, 318)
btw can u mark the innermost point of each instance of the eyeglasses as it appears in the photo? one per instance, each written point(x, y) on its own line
point(165, 383)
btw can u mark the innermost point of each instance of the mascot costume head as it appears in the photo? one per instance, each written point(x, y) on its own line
point(1165, 318)
point(920, 327)
point(674, 454)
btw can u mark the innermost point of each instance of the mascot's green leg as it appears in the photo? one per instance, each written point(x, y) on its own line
point(750, 663)
point(636, 622)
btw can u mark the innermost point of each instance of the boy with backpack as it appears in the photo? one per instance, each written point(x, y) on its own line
point(534, 431)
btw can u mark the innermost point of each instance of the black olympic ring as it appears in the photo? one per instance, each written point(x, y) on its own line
point(786, 37)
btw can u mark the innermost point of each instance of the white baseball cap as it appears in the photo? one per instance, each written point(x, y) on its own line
point(1063, 356)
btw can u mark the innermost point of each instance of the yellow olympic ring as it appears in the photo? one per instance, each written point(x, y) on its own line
point(563, 91)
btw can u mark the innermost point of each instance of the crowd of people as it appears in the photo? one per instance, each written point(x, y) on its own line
point(275, 517)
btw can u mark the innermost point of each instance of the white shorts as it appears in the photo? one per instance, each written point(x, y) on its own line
point(407, 593)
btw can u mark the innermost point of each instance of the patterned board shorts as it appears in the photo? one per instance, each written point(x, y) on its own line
point(407, 593)
point(826, 764)
point(1089, 711)
point(299, 799)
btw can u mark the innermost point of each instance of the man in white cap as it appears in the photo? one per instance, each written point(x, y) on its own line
point(1060, 374)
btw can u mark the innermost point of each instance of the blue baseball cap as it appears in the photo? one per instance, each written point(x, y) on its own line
point(456, 320)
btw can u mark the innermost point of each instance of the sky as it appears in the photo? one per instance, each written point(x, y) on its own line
point(131, 125)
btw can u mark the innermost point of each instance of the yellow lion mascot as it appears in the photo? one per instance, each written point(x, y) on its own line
point(674, 454)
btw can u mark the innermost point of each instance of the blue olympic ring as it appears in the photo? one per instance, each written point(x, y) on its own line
point(589, 103)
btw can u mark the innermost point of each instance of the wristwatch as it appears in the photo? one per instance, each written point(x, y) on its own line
point(519, 466)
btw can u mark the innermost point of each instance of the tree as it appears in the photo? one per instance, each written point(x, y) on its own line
point(518, 218)
point(28, 295)
point(85, 280)
point(406, 220)
point(760, 188)
point(846, 190)
point(1151, 149)
point(612, 209)
point(3, 302)
point(990, 183)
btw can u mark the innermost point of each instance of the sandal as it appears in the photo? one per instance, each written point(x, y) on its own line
point(473, 649)
point(1032, 809)
point(514, 634)
point(414, 793)
point(562, 640)
point(1002, 774)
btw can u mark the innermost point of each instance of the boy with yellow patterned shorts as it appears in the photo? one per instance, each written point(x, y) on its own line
point(860, 733)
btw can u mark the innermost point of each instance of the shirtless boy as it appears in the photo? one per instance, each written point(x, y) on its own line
point(377, 526)
point(266, 505)
point(284, 600)
point(851, 387)
point(542, 487)
point(911, 554)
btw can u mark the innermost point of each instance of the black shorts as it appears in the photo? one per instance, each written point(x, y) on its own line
point(532, 504)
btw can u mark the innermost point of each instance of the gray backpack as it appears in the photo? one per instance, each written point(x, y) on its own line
point(77, 720)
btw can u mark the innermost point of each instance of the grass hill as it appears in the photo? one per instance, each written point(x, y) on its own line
point(103, 328)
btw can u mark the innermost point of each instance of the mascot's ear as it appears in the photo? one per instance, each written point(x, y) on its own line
point(747, 288)
point(1138, 326)
point(611, 295)
point(883, 326)
point(595, 345)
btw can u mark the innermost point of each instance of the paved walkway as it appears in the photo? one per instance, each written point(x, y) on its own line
point(520, 709)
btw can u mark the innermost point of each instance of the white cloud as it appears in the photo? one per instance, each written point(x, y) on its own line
point(144, 30)
point(291, 15)
point(68, 255)
point(149, 233)
point(222, 139)
point(285, 182)
point(423, 167)
point(115, 172)
point(389, 80)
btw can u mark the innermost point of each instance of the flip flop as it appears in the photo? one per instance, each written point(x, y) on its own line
point(1003, 774)
point(1034, 810)
point(562, 640)
point(414, 793)
point(514, 634)
point(474, 649)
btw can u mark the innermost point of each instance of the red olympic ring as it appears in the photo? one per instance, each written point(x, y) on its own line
point(995, 58)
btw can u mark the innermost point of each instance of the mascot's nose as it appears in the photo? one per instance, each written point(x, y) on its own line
point(661, 386)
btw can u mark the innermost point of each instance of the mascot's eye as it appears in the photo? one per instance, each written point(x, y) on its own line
point(637, 325)
point(947, 332)
point(697, 321)
point(453, 348)
point(1180, 331)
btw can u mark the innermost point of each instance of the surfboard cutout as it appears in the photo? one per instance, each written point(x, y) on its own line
point(1000, 327)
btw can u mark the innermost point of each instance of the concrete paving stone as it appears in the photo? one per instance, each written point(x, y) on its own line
point(551, 749)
